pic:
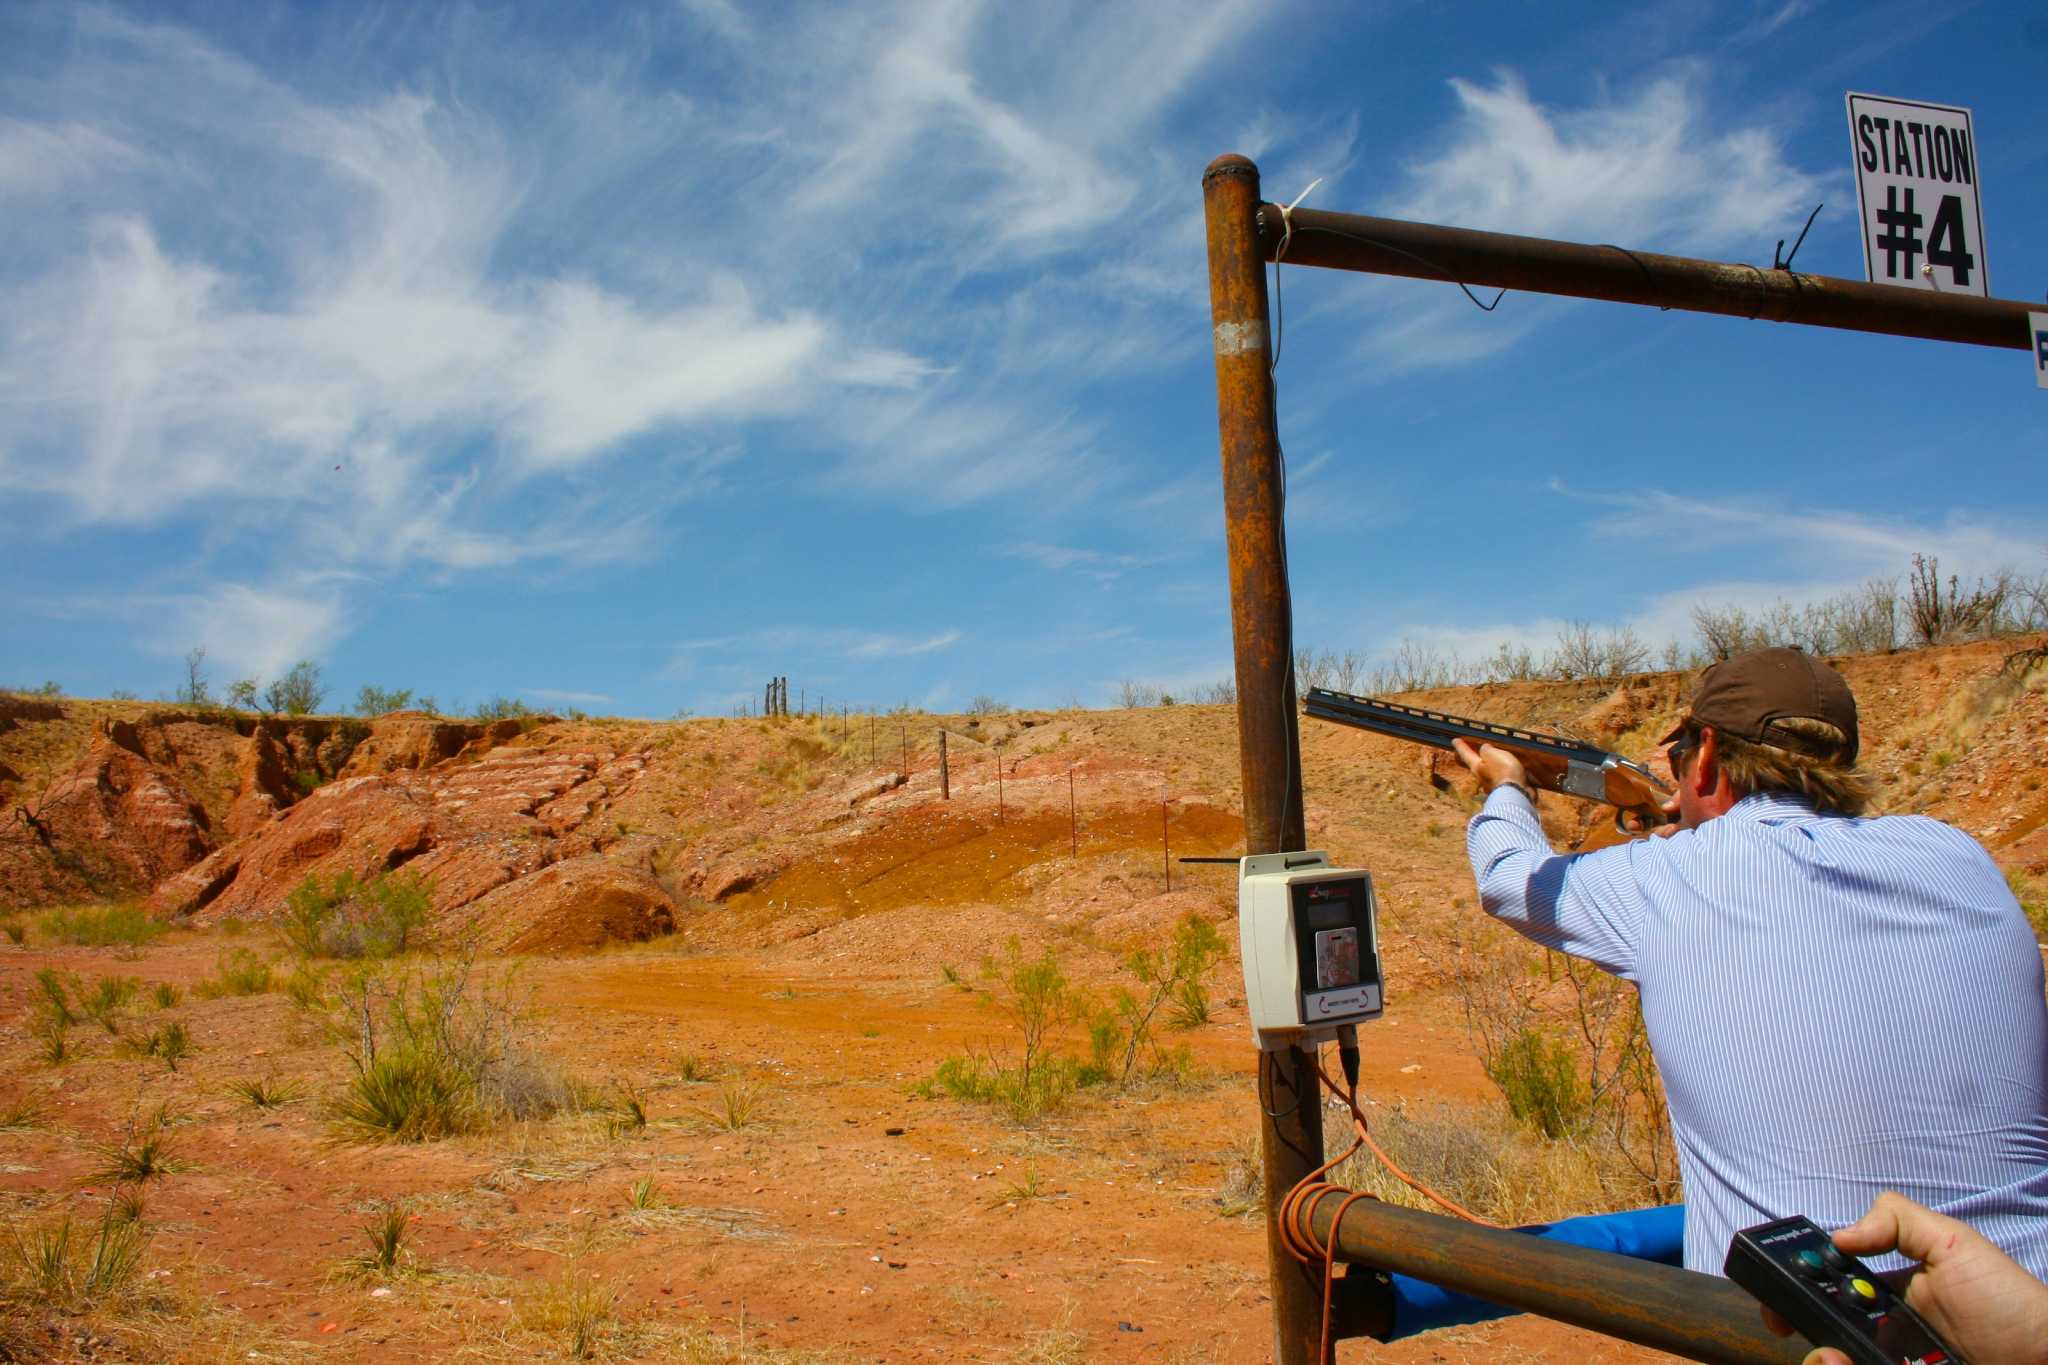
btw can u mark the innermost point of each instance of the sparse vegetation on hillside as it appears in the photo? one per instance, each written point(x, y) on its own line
point(344, 916)
point(99, 926)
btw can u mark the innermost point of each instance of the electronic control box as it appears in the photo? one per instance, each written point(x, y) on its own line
point(1309, 937)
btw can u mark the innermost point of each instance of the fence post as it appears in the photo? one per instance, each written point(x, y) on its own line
point(1073, 818)
point(1269, 745)
point(945, 776)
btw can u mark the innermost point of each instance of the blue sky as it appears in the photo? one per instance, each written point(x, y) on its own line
point(622, 358)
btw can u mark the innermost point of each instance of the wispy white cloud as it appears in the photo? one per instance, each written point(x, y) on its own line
point(1658, 169)
point(566, 697)
point(246, 630)
point(897, 646)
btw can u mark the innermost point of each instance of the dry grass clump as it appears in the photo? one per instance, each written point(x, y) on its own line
point(64, 1267)
point(265, 1093)
point(440, 1049)
point(143, 1154)
point(236, 972)
point(390, 1255)
point(577, 1314)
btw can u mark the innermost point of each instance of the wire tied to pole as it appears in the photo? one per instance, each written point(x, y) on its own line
point(1297, 1211)
point(1287, 219)
point(1779, 261)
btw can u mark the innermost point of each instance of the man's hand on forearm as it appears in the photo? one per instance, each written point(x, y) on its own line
point(1494, 767)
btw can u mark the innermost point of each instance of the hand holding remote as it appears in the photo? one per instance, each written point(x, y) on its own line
point(1967, 1289)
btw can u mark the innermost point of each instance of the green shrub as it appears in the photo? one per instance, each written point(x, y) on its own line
point(237, 972)
point(1539, 1075)
point(109, 996)
point(166, 995)
point(63, 1270)
point(264, 1092)
point(298, 692)
point(172, 1043)
point(344, 917)
point(378, 701)
point(1121, 1035)
point(409, 1095)
point(103, 926)
point(389, 1255)
point(15, 930)
point(53, 998)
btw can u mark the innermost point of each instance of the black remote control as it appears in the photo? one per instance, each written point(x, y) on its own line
point(1795, 1269)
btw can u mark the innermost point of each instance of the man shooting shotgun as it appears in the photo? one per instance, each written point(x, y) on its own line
point(1552, 762)
point(1839, 1005)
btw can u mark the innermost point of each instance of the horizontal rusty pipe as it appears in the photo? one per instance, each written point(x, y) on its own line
point(1700, 1317)
point(1538, 265)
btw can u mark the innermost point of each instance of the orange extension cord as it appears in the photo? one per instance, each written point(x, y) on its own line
point(1297, 1211)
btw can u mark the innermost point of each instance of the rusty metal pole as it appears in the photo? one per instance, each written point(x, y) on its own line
point(945, 777)
point(1699, 1317)
point(1290, 1096)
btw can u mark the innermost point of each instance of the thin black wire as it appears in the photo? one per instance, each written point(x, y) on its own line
point(1419, 260)
point(1786, 264)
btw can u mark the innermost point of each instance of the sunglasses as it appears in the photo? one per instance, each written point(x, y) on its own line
point(1680, 749)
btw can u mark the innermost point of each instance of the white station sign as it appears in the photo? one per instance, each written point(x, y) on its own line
point(1917, 184)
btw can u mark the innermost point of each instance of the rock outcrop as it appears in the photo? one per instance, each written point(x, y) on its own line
point(469, 829)
point(120, 819)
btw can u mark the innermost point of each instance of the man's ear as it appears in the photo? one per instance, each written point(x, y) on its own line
point(1706, 764)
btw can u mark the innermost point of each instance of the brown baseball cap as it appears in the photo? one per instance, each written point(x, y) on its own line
point(1745, 696)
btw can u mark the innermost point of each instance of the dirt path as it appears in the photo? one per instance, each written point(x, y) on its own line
point(846, 1218)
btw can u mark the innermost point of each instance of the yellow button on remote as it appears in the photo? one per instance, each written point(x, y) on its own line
point(1864, 1288)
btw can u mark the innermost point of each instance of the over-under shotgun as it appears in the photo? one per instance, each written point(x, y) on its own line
point(1553, 762)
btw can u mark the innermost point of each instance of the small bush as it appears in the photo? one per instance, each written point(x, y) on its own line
point(53, 1044)
point(105, 926)
point(1539, 1076)
point(63, 1270)
point(388, 1256)
point(378, 701)
point(53, 998)
point(643, 1195)
point(627, 1112)
point(18, 1116)
point(165, 994)
point(265, 1093)
point(298, 692)
point(172, 1043)
point(439, 1051)
point(144, 1155)
point(690, 1069)
point(236, 972)
point(343, 917)
point(739, 1106)
point(109, 996)
point(577, 1313)
point(15, 930)
point(306, 987)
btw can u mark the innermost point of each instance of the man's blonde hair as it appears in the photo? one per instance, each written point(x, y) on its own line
point(1815, 770)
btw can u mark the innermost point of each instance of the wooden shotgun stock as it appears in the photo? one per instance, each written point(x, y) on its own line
point(1553, 762)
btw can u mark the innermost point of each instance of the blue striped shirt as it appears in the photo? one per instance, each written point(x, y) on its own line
point(1838, 1007)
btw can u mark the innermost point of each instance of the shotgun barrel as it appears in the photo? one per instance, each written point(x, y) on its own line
point(1553, 762)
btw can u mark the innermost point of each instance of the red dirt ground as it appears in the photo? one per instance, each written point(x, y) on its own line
point(853, 1221)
